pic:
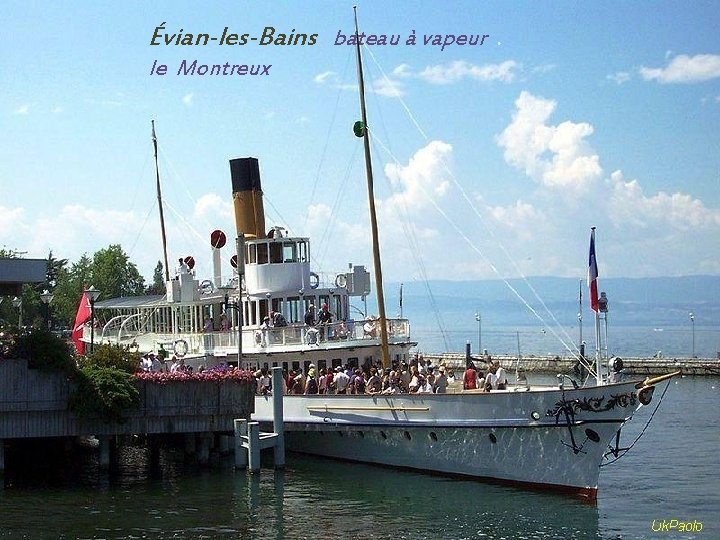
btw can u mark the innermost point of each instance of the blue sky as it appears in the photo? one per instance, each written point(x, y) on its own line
point(490, 160)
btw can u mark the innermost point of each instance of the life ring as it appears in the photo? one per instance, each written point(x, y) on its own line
point(645, 395)
point(207, 287)
point(180, 347)
point(314, 280)
point(340, 281)
point(311, 338)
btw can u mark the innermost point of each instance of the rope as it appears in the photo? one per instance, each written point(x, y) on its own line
point(626, 450)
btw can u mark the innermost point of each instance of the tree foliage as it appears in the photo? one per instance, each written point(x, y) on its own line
point(158, 284)
point(114, 275)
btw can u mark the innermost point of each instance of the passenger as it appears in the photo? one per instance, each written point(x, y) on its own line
point(374, 383)
point(311, 383)
point(310, 316)
point(427, 386)
point(341, 381)
point(491, 378)
point(264, 387)
point(278, 319)
point(329, 382)
point(224, 322)
point(299, 386)
point(405, 378)
point(415, 379)
point(265, 332)
point(470, 377)
point(359, 382)
point(324, 320)
point(441, 382)
point(500, 376)
point(394, 387)
point(322, 381)
point(385, 381)
point(342, 330)
point(178, 364)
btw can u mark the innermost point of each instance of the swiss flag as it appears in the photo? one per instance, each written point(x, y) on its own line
point(83, 316)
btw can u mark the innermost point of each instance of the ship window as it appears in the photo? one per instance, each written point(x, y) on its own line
point(276, 255)
point(263, 310)
point(337, 308)
point(353, 362)
point(252, 253)
point(277, 305)
point(293, 309)
point(304, 251)
point(289, 252)
point(262, 253)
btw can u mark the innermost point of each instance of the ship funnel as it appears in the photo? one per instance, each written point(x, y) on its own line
point(247, 197)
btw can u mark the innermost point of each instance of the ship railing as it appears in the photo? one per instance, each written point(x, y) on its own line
point(293, 335)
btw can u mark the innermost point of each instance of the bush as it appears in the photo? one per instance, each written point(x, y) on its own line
point(45, 351)
point(112, 356)
point(105, 392)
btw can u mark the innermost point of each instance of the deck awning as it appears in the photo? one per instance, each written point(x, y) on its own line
point(132, 302)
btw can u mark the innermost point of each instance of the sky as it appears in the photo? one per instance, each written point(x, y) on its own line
point(491, 160)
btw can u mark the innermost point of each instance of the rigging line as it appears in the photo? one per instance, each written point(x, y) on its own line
point(472, 206)
point(409, 231)
point(325, 238)
point(642, 432)
point(183, 184)
point(280, 216)
point(142, 227)
point(136, 192)
point(340, 90)
point(483, 256)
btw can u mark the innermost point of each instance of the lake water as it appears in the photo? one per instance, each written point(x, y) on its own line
point(671, 473)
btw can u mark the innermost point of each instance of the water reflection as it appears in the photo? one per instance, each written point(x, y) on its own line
point(312, 498)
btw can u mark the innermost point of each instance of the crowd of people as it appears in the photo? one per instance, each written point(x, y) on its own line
point(158, 363)
point(417, 377)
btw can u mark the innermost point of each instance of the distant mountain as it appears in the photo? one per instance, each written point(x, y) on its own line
point(647, 301)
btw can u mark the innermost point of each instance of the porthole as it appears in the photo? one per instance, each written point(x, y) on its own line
point(592, 435)
point(383, 435)
point(535, 415)
point(340, 433)
point(433, 436)
point(493, 438)
point(407, 436)
point(361, 434)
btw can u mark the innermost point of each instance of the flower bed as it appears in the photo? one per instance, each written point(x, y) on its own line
point(217, 374)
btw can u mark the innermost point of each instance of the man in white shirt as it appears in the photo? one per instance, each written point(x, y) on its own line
point(341, 381)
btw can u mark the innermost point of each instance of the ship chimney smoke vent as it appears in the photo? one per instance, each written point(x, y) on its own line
point(247, 197)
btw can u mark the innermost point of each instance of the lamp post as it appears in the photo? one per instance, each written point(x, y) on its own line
point(17, 303)
point(92, 294)
point(237, 306)
point(478, 318)
point(692, 322)
point(46, 298)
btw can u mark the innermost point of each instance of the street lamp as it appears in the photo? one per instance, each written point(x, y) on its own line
point(17, 303)
point(46, 298)
point(92, 294)
point(478, 318)
point(692, 321)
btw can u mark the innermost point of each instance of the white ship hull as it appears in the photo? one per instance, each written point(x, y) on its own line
point(550, 438)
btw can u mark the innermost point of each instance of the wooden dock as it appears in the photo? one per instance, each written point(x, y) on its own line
point(34, 404)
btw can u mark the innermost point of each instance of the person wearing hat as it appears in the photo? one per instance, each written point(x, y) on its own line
point(441, 381)
point(265, 331)
point(341, 381)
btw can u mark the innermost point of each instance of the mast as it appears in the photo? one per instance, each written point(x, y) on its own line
point(160, 206)
point(371, 199)
point(594, 303)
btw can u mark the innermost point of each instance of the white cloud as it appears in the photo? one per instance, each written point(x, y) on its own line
point(521, 218)
point(323, 77)
point(58, 110)
point(619, 78)
point(679, 211)
point(210, 206)
point(187, 99)
point(460, 69)
point(22, 109)
point(556, 155)
point(685, 69)
point(388, 87)
point(424, 176)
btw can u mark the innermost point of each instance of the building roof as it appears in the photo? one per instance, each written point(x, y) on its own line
point(130, 302)
point(15, 272)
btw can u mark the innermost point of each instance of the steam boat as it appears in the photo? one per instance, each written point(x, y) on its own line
point(548, 437)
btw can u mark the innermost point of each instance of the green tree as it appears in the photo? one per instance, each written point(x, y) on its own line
point(68, 290)
point(114, 275)
point(158, 284)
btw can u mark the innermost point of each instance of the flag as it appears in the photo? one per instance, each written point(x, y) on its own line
point(593, 273)
point(83, 315)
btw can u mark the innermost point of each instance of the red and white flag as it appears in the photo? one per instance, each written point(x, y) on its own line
point(83, 316)
point(593, 274)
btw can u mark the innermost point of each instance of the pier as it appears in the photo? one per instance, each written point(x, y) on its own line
point(564, 364)
point(34, 405)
